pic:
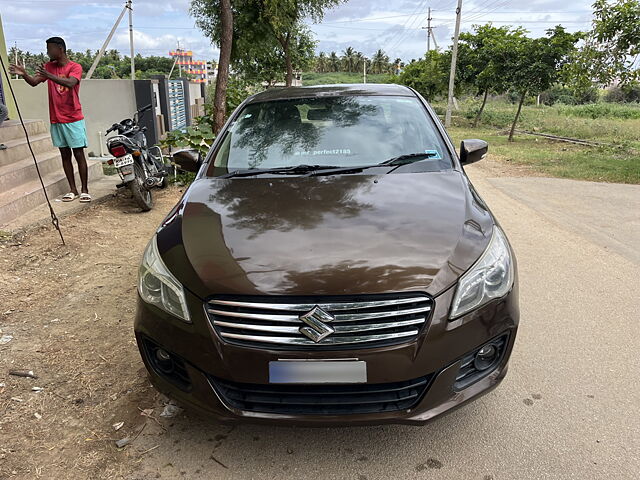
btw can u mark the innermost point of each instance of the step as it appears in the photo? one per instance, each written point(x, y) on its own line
point(19, 149)
point(19, 173)
point(21, 199)
point(12, 129)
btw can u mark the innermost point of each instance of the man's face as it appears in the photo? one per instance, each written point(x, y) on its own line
point(54, 51)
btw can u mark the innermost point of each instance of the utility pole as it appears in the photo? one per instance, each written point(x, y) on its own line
point(454, 58)
point(365, 69)
point(15, 51)
point(430, 34)
point(106, 44)
point(133, 62)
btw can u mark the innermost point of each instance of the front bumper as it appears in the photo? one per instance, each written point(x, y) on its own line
point(437, 354)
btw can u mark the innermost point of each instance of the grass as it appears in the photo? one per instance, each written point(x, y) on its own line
point(557, 159)
point(613, 124)
point(313, 78)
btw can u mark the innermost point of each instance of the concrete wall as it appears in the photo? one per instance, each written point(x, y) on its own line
point(104, 102)
point(3, 80)
point(195, 91)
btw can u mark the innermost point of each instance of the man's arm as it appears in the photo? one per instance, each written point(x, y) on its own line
point(31, 80)
point(65, 82)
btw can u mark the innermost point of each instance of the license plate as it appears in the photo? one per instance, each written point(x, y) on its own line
point(123, 161)
point(311, 371)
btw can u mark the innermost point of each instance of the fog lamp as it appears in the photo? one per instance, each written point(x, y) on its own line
point(485, 357)
point(162, 355)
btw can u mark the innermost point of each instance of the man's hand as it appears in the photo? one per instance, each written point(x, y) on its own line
point(20, 70)
point(41, 72)
point(17, 70)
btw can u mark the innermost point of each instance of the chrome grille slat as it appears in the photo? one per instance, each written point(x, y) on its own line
point(276, 323)
point(332, 340)
point(339, 317)
point(303, 307)
point(338, 328)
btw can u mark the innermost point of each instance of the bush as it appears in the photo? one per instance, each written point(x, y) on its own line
point(627, 94)
point(602, 110)
point(568, 96)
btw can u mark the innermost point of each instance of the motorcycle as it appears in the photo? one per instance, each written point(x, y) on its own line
point(140, 167)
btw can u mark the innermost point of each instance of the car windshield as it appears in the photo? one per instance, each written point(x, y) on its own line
point(341, 131)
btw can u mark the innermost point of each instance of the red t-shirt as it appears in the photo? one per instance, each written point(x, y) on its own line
point(64, 103)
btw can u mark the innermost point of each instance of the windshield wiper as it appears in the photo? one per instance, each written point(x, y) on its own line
point(294, 170)
point(407, 158)
point(392, 162)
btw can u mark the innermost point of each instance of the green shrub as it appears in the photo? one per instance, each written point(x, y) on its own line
point(602, 110)
point(627, 94)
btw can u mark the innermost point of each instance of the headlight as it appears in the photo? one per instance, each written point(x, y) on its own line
point(158, 286)
point(490, 277)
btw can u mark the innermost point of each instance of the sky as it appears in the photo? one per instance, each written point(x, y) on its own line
point(367, 25)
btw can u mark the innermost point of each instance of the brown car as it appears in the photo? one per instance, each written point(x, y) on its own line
point(330, 265)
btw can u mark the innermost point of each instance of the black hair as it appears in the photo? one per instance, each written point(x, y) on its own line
point(57, 41)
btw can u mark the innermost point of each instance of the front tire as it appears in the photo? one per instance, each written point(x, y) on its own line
point(141, 194)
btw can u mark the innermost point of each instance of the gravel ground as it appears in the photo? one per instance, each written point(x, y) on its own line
point(567, 409)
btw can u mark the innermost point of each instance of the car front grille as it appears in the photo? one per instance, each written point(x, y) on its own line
point(365, 321)
point(321, 399)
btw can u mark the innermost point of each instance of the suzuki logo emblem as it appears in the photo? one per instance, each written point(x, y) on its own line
point(317, 320)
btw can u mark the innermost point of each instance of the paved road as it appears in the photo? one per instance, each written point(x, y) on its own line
point(567, 409)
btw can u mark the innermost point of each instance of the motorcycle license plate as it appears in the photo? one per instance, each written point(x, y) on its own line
point(123, 161)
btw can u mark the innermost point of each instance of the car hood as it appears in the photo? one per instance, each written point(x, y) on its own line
point(325, 235)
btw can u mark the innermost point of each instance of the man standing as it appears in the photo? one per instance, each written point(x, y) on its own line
point(67, 121)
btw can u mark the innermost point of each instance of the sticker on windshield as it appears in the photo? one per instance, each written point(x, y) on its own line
point(335, 151)
point(435, 154)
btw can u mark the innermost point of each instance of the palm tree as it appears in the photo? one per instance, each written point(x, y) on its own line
point(360, 59)
point(321, 63)
point(379, 62)
point(334, 62)
point(349, 59)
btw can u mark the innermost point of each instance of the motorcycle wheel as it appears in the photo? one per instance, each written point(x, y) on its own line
point(141, 194)
point(164, 183)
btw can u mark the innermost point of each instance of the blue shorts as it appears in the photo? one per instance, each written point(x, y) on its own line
point(71, 135)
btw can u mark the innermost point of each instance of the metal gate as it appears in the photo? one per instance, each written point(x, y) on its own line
point(177, 105)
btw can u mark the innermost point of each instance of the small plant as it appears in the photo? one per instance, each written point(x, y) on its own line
point(199, 137)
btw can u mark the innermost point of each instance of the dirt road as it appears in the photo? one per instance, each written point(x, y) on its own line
point(567, 409)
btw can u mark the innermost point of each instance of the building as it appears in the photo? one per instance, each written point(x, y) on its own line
point(186, 63)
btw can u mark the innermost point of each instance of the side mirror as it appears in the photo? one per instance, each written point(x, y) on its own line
point(472, 150)
point(188, 160)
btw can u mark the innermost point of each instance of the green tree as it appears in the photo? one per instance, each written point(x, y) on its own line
point(612, 46)
point(334, 62)
point(284, 19)
point(321, 63)
point(349, 59)
point(480, 63)
point(533, 65)
point(380, 62)
point(429, 76)
point(216, 20)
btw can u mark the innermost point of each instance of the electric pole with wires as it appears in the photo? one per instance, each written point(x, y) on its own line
point(428, 29)
point(454, 58)
point(133, 62)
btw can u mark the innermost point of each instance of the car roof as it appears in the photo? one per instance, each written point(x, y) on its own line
point(356, 89)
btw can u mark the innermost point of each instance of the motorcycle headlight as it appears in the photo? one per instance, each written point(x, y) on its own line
point(157, 286)
point(490, 277)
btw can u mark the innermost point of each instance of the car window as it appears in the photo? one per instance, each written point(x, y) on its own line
point(342, 131)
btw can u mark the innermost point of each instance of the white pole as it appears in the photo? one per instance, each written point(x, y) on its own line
point(173, 66)
point(133, 62)
point(429, 31)
point(365, 70)
point(454, 57)
point(105, 45)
